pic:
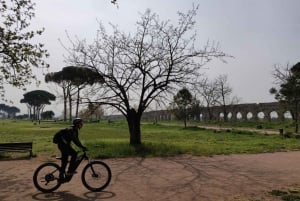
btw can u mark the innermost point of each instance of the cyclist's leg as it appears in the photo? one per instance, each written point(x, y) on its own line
point(64, 158)
point(72, 165)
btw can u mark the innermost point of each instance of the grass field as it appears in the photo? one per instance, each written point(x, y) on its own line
point(109, 140)
point(288, 126)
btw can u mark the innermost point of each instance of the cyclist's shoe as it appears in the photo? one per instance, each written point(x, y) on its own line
point(61, 179)
point(69, 174)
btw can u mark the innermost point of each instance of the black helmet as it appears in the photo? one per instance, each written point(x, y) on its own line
point(77, 121)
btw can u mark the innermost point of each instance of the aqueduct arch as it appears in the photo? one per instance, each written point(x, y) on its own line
point(214, 113)
point(245, 109)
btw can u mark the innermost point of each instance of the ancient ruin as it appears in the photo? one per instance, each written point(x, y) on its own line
point(252, 111)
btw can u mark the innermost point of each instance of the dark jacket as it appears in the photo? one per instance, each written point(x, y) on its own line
point(70, 135)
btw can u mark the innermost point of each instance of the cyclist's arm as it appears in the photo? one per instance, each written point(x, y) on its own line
point(77, 141)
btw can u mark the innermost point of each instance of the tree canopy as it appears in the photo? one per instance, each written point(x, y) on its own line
point(289, 89)
point(47, 115)
point(18, 53)
point(73, 78)
point(9, 110)
point(183, 102)
point(36, 101)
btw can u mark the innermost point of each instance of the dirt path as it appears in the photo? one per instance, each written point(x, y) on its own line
point(245, 177)
point(261, 131)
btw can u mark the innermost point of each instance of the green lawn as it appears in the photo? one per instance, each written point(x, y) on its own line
point(108, 140)
point(288, 126)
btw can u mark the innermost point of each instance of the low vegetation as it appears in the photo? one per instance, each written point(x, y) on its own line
point(111, 139)
point(289, 195)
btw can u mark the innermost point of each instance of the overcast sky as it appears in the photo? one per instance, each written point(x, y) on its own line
point(258, 33)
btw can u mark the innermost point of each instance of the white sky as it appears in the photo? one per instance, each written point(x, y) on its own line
point(258, 33)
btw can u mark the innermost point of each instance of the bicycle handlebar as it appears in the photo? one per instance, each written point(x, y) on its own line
point(84, 154)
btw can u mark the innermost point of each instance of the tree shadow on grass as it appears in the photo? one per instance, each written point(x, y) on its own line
point(156, 149)
point(67, 196)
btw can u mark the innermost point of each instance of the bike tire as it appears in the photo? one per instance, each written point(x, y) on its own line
point(96, 176)
point(45, 177)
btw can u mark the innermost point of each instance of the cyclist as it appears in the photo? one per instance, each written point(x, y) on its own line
point(63, 140)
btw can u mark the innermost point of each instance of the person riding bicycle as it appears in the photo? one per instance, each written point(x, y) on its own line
point(63, 140)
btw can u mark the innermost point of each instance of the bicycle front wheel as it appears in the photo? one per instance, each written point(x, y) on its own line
point(96, 176)
point(45, 177)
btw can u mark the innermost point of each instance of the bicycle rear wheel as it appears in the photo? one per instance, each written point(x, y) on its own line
point(96, 176)
point(45, 177)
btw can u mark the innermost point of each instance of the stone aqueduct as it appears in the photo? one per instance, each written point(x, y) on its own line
point(253, 111)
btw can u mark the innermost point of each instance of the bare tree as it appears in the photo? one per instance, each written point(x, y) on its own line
point(281, 73)
point(209, 94)
point(216, 92)
point(93, 111)
point(224, 90)
point(142, 67)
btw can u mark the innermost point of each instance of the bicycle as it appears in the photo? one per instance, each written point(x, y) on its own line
point(95, 176)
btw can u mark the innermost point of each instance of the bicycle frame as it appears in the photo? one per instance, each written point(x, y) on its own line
point(77, 163)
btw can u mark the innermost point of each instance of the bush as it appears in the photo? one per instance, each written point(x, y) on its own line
point(259, 127)
point(291, 197)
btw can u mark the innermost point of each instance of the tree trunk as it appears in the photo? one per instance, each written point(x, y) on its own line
point(77, 102)
point(134, 124)
point(224, 108)
point(296, 118)
point(225, 113)
point(185, 117)
point(65, 104)
point(34, 113)
point(70, 104)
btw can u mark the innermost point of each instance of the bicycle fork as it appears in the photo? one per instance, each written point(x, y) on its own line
point(94, 173)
